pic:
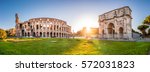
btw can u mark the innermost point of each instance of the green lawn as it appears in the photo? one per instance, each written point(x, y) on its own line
point(57, 46)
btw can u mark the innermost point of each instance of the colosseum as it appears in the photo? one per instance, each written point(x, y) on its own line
point(43, 27)
point(116, 24)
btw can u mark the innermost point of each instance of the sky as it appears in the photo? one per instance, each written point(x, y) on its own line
point(77, 13)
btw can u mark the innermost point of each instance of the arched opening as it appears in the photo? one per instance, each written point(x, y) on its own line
point(111, 30)
point(34, 34)
point(102, 33)
point(51, 34)
point(23, 33)
point(57, 35)
point(54, 27)
point(28, 34)
point(37, 27)
point(40, 34)
point(121, 32)
point(43, 34)
point(47, 34)
point(57, 27)
point(54, 34)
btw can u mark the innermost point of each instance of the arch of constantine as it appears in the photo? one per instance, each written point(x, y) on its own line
point(116, 24)
point(42, 27)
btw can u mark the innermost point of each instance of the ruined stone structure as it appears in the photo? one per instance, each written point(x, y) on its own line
point(116, 24)
point(43, 27)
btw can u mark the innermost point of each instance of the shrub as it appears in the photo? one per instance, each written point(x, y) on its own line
point(3, 34)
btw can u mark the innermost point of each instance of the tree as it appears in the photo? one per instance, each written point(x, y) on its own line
point(135, 31)
point(3, 34)
point(79, 33)
point(149, 32)
point(143, 28)
point(147, 20)
point(11, 32)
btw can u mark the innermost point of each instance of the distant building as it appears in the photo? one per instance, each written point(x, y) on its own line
point(94, 32)
point(11, 32)
point(116, 24)
point(43, 27)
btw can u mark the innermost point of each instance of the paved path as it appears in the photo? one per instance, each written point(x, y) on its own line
point(144, 40)
point(136, 40)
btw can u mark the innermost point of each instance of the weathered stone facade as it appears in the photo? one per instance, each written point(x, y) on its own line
point(43, 27)
point(116, 24)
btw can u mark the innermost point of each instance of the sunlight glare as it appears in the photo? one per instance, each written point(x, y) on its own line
point(85, 20)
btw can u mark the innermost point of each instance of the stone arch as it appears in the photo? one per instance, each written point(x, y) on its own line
point(51, 34)
point(47, 34)
point(28, 34)
point(111, 30)
point(54, 27)
point(40, 34)
point(116, 23)
point(121, 32)
point(34, 34)
point(37, 27)
point(25, 34)
point(54, 34)
point(57, 27)
point(102, 33)
point(44, 35)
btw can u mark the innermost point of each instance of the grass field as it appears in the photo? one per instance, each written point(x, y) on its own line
point(57, 46)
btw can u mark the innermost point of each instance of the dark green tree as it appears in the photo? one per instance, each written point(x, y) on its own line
point(149, 32)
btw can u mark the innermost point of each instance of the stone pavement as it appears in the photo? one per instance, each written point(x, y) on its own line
point(143, 40)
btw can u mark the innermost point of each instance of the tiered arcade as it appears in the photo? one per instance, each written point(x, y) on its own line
point(43, 27)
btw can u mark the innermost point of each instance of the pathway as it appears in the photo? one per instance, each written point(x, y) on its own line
point(83, 48)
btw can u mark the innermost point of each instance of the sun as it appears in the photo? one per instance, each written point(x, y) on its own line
point(85, 20)
point(88, 21)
